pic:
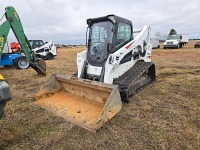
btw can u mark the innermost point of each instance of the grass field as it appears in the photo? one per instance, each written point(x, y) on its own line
point(164, 116)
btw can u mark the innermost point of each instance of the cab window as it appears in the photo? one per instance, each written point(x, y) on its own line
point(123, 35)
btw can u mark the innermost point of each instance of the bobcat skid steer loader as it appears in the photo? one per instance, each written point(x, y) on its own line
point(114, 66)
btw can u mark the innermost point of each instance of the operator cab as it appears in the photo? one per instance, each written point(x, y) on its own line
point(36, 43)
point(106, 35)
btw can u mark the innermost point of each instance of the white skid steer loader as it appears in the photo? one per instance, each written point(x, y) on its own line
point(43, 50)
point(114, 66)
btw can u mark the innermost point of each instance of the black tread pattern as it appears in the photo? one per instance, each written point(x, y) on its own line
point(129, 83)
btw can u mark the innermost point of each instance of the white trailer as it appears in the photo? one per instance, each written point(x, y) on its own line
point(184, 38)
point(154, 40)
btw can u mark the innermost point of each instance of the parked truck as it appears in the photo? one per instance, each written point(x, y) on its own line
point(176, 41)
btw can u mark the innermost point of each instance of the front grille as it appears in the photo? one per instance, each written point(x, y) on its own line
point(169, 43)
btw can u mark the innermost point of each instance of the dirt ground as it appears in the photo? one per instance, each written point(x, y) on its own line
point(164, 116)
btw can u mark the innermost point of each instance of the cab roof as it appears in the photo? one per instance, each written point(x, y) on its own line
point(113, 18)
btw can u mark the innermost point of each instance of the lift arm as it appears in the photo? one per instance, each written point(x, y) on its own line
point(13, 22)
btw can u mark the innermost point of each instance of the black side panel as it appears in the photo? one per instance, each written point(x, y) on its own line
point(40, 50)
point(102, 74)
point(128, 57)
point(83, 73)
point(46, 50)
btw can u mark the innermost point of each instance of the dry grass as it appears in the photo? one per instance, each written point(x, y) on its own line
point(164, 116)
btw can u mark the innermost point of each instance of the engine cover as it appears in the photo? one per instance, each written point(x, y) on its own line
point(5, 94)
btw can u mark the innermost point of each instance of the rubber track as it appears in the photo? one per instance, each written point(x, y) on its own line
point(129, 83)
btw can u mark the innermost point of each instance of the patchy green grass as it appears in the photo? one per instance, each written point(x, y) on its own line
point(166, 115)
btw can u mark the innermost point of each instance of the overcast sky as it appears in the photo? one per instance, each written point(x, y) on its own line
point(65, 20)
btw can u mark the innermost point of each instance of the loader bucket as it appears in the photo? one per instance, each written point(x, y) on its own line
point(87, 103)
point(39, 66)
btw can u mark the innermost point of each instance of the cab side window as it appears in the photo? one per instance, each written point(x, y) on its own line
point(123, 35)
